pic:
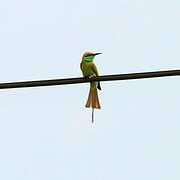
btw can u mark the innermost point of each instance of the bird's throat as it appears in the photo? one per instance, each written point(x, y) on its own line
point(89, 58)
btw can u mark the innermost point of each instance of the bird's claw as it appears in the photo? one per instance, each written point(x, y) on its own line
point(91, 77)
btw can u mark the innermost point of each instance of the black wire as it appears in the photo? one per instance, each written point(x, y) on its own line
point(54, 82)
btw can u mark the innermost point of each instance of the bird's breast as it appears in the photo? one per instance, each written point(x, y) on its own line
point(87, 69)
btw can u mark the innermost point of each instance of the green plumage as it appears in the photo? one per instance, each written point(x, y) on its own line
point(89, 70)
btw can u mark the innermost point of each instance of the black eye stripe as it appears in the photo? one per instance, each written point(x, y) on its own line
point(88, 55)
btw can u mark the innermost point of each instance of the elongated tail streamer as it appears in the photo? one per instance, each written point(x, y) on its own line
point(92, 115)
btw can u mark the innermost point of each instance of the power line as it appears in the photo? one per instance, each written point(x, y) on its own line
point(54, 82)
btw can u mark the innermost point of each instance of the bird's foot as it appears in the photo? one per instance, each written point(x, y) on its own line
point(91, 76)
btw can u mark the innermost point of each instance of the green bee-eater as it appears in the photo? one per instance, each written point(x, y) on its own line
point(89, 70)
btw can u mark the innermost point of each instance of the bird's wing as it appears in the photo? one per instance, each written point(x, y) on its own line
point(81, 66)
point(94, 68)
point(97, 74)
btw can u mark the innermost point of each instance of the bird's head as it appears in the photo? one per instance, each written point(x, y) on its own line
point(89, 56)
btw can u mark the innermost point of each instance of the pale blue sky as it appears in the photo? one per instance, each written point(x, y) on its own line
point(46, 133)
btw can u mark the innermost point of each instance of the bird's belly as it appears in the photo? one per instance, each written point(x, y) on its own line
point(87, 71)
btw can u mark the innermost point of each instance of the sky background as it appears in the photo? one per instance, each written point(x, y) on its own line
point(46, 132)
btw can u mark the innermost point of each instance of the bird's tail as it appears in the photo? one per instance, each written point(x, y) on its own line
point(92, 115)
point(93, 100)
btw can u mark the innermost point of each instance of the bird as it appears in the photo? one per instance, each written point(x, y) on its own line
point(89, 70)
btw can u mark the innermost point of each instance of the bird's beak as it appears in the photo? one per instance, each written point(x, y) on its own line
point(95, 54)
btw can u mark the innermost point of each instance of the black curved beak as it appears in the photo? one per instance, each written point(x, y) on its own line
point(95, 54)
